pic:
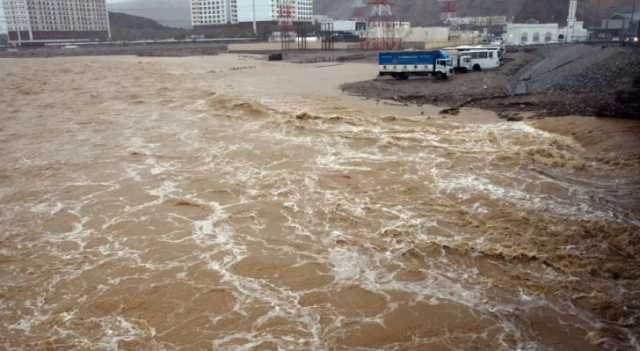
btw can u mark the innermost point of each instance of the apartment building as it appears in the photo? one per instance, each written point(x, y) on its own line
point(30, 21)
point(3, 20)
point(215, 12)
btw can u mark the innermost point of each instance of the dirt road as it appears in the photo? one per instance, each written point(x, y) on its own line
point(583, 80)
point(228, 203)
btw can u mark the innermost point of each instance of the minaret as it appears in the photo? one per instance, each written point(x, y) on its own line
point(571, 20)
point(573, 8)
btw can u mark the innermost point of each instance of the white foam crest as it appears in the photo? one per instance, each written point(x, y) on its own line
point(465, 186)
point(38, 315)
point(349, 266)
point(159, 167)
point(164, 190)
point(137, 144)
point(48, 208)
point(283, 303)
point(116, 329)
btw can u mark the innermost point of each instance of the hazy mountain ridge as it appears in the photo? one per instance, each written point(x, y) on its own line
point(176, 13)
point(426, 12)
point(129, 27)
point(172, 13)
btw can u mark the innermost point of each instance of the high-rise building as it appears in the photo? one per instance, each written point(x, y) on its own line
point(56, 20)
point(258, 10)
point(304, 10)
point(3, 20)
point(214, 12)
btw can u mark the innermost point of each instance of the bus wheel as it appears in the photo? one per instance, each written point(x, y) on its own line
point(477, 68)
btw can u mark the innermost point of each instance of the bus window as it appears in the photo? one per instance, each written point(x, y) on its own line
point(491, 54)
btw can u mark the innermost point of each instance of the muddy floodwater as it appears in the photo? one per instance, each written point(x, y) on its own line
point(228, 203)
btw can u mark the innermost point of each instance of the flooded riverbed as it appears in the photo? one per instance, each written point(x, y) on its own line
point(231, 204)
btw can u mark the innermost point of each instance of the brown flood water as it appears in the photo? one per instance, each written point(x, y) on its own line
point(189, 204)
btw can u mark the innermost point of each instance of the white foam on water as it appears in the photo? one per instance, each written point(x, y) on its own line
point(116, 329)
point(47, 208)
point(348, 266)
point(465, 186)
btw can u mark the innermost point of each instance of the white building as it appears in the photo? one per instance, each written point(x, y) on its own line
point(304, 10)
point(545, 33)
point(56, 20)
point(355, 27)
point(268, 10)
point(3, 20)
point(531, 33)
point(214, 12)
point(258, 10)
point(428, 35)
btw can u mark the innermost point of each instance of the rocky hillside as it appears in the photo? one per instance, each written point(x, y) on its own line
point(128, 27)
point(176, 13)
point(171, 13)
point(426, 12)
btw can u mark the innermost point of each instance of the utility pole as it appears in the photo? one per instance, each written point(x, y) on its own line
point(16, 15)
point(633, 14)
point(627, 29)
point(255, 25)
point(28, 17)
point(637, 27)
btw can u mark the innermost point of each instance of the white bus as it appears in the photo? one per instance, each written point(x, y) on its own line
point(485, 58)
point(476, 58)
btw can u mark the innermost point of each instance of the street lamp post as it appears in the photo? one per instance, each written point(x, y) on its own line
point(255, 25)
point(632, 29)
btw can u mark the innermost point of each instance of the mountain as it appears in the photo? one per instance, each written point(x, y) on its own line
point(176, 13)
point(589, 11)
point(426, 12)
point(128, 27)
point(171, 13)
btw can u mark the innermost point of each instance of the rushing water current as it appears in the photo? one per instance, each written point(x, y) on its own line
point(142, 209)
